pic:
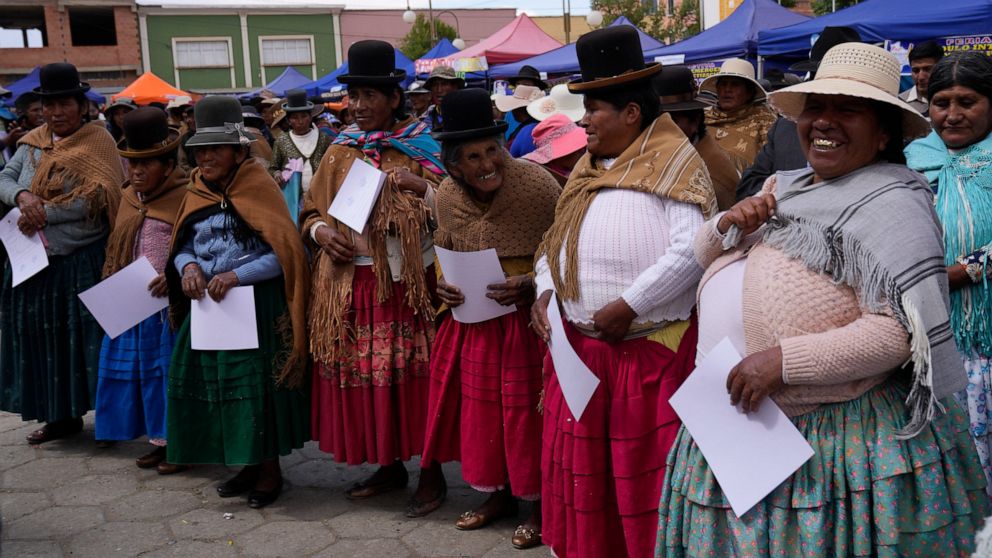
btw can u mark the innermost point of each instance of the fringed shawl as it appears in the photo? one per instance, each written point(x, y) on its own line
point(660, 162)
point(742, 132)
point(875, 230)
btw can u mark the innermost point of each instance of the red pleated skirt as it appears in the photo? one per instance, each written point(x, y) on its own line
point(601, 477)
point(486, 381)
point(371, 405)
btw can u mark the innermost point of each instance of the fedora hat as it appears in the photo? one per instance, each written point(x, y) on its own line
point(676, 87)
point(468, 115)
point(858, 70)
point(828, 39)
point(147, 134)
point(559, 101)
point(60, 79)
point(610, 57)
point(735, 68)
point(120, 103)
point(531, 73)
point(219, 122)
point(296, 101)
point(445, 73)
point(556, 137)
point(372, 62)
point(522, 96)
point(417, 88)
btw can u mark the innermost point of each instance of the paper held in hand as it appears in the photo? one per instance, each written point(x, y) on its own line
point(472, 272)
point(26, 253)
point(577, 382)
point(123, 300)
point(228, 325)
point(354, 201)
point(750, 454)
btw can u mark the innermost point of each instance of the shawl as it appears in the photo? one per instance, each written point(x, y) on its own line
point(513, 223)
point(876, 231)
point(963, 182)
point(162, 203)
point(660, 162)
point(743, 131)
point(395, 214)
point(411, 137)
point(83, 165)
point(286, 150)
point(722, 171)
point(257, 200)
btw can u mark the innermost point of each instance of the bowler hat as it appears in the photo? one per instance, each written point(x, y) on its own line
point(610, 57)
point(468, 114)
point(147, 134)
point(60, 79)
point(676, 87)
point(531, 73)
point(372, 63)
point(829, 38)
point(219, 122)
point(296, 101)
point(250, 116)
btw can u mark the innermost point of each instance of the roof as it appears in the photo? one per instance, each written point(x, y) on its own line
point(149, 88)
point(521, 38)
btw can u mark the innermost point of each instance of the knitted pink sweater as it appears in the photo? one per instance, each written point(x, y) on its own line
point(833, 350)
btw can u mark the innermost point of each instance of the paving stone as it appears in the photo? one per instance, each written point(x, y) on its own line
point(93, 490)
point(196, 478)
point(18, 504)
point(435, 539)
point(304, 503)
point(372, 523)
point(152, 504)
point(10, 421)
point(375, 548)
point(194, 549)
point(209, 524)
point(12, 456)
point(44, 473)
point(117, 459)
point(31, 549)
point(118, 539)
point(284, 538)
point(54, 523)
point(15, 436)
point(326, 474)
point(505, 549)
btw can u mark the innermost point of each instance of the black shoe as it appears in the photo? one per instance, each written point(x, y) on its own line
point(238, 485)
point(259, 499)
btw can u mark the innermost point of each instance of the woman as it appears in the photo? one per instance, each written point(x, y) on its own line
point(130, 390)
point(834, 276)
point(244, 407)
point(371, 316)
point(303, 147)
point(115, 114)
point(66, 181)
point(957, 160)
point(560, 143)
point(740, 120)
point(486, 377)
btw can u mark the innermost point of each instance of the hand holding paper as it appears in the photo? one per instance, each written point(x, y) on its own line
point(357, 196)
point(26, 253)
point(227, 325)
point(472, 273)
point(124, 300)
point(577, 382)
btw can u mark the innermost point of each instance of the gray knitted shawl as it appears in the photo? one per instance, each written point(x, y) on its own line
point(875, 230)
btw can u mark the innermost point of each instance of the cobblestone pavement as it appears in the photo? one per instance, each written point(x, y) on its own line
point(68, 498)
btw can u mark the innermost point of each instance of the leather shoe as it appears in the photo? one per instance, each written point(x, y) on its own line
point(366, 489)
point(416, 508)
point(526, 537)
point(166, 468)
point(238, 485)
point(259, 499)
point(472, 520)
point(55, 430)
point(151, 459)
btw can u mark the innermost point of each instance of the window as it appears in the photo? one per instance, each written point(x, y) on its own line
point(213, 53)
point(287, 51)
point(22, 27)
point(92, 26)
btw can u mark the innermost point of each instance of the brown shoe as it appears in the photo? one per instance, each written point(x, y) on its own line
point(166, 468)
point(395, 479)
point(526, 537)
point(472, 520)
point(55, 430)
point(151, 458)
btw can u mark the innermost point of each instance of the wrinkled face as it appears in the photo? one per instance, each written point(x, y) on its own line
point(442, 87)
point(300, 122)
point(35, 115)
point(372, 109)
point(217, 161)
point(420, 102)
point(921, 70)
point(609, 130)
point(840, 134)
point(64, 114)
point(147, 174)
point(961, 115)
point(732, 93)
point(688, 121)
point(480, 166)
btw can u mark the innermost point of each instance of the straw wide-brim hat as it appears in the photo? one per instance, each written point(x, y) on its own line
point(857, 70)
point(738, 68)
point(522, 96)
point(559, 101)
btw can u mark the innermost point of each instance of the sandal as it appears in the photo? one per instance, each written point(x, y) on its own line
point(367, 489)
point(416, 508)
point(55, 430)
point(526, 537)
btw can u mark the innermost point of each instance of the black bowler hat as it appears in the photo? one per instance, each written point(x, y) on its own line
point(147, 134)
point(372, 63)
point(610, 57)
point(829, 38)
point(60, 79)
point(676, 87)
point(251, 117)
point(219, 122)
point(296, 101)
point(531, 73)
point(468, 114)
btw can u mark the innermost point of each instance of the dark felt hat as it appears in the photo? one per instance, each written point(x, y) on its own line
point(611, 57)
point(372, 63)
point(147, 134)
point(676, 86)
point(251, 117)
point(60, 79)
point(296, 101)
point(219, 122)
point(531, 73)
point(468, 114)
point(829, 38)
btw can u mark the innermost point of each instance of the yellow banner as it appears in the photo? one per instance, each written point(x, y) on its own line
point(727, 7)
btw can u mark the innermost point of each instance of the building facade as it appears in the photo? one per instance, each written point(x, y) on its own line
point(387, 25)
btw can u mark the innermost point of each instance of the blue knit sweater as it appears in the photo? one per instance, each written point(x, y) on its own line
point(215, 254)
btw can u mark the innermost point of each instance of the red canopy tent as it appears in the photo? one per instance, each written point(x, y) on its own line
point(149, 88)
point(519, 39)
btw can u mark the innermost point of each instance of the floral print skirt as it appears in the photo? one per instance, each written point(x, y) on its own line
point(975, 398)
point(864, 493)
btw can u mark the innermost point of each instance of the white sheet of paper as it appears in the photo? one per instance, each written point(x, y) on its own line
point(472, 272)
point(576, 380)
point(27, 253)
point(123, 300)
point(228, 325)
point(354, 201)
point(750, 454)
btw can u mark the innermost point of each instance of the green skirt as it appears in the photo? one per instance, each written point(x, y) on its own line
point(49, 341)
point(864, 492)
point(224, 406)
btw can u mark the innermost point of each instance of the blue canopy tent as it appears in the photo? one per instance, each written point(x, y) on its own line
point(881, 20)
point(290, 78)
point(33, 80)
point(330, 81)
point(563, 60)
point(734, 37)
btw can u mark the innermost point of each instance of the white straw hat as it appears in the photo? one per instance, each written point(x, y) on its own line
point(523, 95)
point(738, 68)
point(560, 101)
point(858, 70)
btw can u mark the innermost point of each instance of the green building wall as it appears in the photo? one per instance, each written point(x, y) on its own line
point(320, 26)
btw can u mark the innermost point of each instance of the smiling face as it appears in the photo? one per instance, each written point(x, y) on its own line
point(609, 130)
point(147, 174)
point(480, 167)
point(372, 109)
point(64, 115)
point(217, 161)
point(961, 115)
point(840, 134)
point(732, 93)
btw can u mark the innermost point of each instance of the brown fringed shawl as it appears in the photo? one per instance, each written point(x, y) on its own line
point(661, 162)
point(85, 161)
point(514, 223)
point(258, 201)
point(162, 204)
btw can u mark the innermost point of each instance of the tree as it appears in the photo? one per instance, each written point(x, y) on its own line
point(821, 7)
point(635, 10)
point(418, 41)
point(683, 23)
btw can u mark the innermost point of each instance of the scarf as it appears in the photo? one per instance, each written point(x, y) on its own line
point(963, 182)
point(162, 203)
point(660, 162)
point(722, 171)
point(255, 198)
point(83, 165)
point(875, 230)
point(412, 138)
point(743, 131)
point(513, 223)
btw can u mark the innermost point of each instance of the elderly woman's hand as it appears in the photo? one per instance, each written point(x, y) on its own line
point(449, 294)
point(33, 217)
point(748, 214)
point(221, 283)
point(539, 316)
point(194, 283)
point(613, 320)
point(754, 378)
point(518, 290)
point(335, 244)
point(159, 287)
point(410, 182)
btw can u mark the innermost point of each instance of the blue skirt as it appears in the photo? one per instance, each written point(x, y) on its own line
point(131, 382)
